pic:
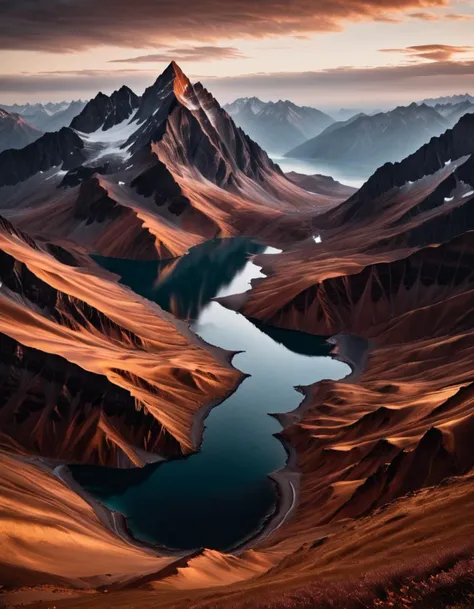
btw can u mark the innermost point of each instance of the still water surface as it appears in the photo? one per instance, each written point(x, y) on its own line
point(220, 496)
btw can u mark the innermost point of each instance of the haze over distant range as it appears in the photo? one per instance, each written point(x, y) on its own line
point(327, 54)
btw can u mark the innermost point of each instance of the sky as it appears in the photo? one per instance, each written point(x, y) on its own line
point(325, 53)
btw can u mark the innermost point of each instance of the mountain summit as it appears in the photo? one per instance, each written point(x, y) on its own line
point(149, 176)
point(105, 112)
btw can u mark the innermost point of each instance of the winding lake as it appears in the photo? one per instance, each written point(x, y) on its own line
point(221, 496)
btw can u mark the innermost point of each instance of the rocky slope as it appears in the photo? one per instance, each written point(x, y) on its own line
point(91, 372)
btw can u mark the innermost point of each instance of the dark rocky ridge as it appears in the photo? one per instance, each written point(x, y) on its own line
point(63, 148)
point(106, 111)
point(93, 203)
point(454, 144)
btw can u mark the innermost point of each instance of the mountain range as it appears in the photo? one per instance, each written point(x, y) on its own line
point(149, 176)
point(449, 99)
point(277, 126)
point(47, 117)
point(369, 141)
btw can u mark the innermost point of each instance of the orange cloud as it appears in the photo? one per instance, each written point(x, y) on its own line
point(432, 52)
point(63, 26)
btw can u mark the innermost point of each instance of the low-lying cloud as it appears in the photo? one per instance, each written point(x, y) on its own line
point(187, 54)
point(337, 87)
point(433, 52)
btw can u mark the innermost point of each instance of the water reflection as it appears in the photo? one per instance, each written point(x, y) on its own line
point(183, 286)
point(350, 175)
point(222, 495)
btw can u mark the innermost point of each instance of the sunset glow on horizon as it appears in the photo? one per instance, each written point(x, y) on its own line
point(322, 53)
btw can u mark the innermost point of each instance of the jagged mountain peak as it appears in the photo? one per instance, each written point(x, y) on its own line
point(188, 128)
point(104, 111)
point(172, 82)
point(249, 105)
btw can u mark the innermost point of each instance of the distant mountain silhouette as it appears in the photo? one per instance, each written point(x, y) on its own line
point(277, 126)
point(370, 141)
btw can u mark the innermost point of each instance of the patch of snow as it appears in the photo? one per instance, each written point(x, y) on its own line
point(272, 250)
point(112, 140)
point(448, 199)
point(57, 174)
point(317, 238)
point(448, 163)
point(121, 183)
point(468, 194)
point(129, 167)
point(118, 134)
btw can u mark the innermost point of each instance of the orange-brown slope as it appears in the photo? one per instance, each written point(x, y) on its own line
point(99, 214)
point(405, 423)
point(322, 184)
point(49, 535)
point(144, 376)
point(415, 553)
point(426, 199)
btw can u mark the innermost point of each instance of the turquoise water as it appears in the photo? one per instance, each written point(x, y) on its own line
point(220, 496)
